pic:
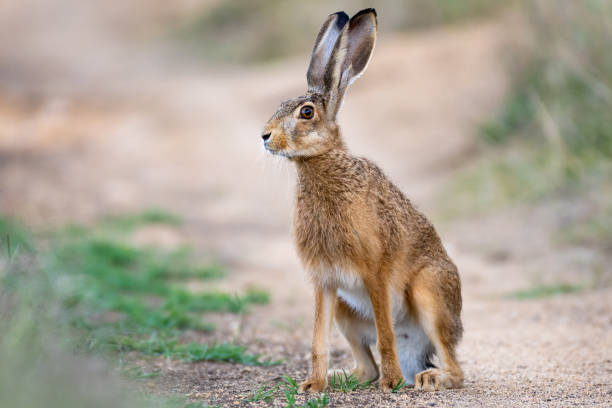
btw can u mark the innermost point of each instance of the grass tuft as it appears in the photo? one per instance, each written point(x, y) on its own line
point(401, 384)
point(346, 382)
point(290, 387)
point(139, 373)
point(318, 402)
point(14, 238)
point(544, 291)
point(190, 352)
point(150, 216)
point(263, 394)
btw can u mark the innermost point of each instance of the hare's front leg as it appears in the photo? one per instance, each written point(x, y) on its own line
point(325, 300)
point(358, 332)
point(391, 374)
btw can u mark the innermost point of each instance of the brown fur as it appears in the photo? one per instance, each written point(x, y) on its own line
point(351, 223)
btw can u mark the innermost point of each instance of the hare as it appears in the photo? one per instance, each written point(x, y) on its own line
point(378, 266)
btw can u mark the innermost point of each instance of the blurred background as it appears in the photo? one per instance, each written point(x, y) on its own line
point(146, 255)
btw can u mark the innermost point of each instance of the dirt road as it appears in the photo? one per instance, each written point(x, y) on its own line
point(190, 142)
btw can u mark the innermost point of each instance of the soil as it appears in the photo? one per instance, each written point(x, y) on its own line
point(189, 141)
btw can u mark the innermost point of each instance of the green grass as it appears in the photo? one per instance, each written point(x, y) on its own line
point(139, 373)
point(263, 394)
point(123, 296)
point(346, 382)
point(318, 402)
point(87, 289)
point(14, 238)
point(143, 288)
point(130, 298)
point(39, 367)
point(287, 388)
point(544, 291)
point(190, 352)
point(149, 216)
point(516, 113)
point(290, 389)
point(401, 384)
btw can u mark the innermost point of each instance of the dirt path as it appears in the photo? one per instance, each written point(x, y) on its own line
point(190, 143)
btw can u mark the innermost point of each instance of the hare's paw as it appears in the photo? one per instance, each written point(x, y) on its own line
point(391, 383)
point(435, 379)
point(313, 385)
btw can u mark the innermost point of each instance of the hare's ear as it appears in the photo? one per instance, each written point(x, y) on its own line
point(322, 51)
point(354, 50)
point(360, 44)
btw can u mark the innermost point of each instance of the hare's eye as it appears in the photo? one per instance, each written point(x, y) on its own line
point(307, 112)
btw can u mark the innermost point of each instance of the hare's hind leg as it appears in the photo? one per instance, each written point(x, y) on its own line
point(435, 296)
point(360, 334)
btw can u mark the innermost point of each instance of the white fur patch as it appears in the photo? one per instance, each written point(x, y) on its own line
point(337, 277)
point(411, 342)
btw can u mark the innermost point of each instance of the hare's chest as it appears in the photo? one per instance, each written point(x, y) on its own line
point(326, 236)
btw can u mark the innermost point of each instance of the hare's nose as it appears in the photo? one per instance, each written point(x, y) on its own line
point(266, 136)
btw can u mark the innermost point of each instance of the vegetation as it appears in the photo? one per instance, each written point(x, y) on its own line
point(288, 388)
point(553, 135)
point(401, 384)
point(261, 30)
point(346, 382)
point(593, 230)
point(564, 94)
point(131, 298)
point(88, 289)
point(542, 291)
point(263, 394)
point(148, 216)
point(14, 238)
point(190, 352)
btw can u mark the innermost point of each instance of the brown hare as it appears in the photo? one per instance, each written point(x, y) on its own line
point(378, 266)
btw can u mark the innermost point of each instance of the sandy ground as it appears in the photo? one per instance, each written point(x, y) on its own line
point(189, 141)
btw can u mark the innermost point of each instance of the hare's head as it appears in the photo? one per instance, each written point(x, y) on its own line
point(306, 126)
